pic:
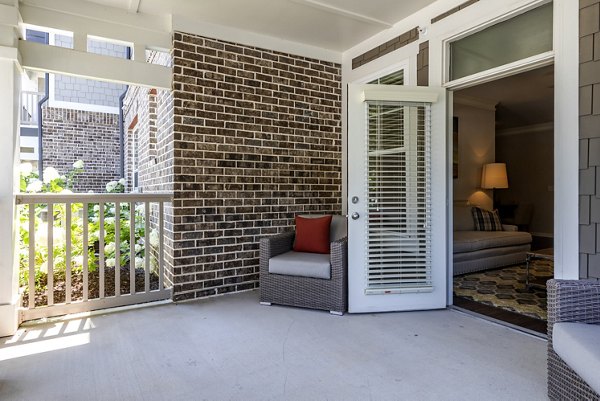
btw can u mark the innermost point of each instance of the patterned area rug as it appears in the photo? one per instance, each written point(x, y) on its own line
point(505, 288)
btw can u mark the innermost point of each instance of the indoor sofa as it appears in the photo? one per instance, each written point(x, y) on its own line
point(483, 250)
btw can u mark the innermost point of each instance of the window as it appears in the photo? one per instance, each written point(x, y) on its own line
point(395, 78)
point(523, 36)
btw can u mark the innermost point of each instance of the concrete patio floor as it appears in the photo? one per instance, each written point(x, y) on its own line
point(232, 348)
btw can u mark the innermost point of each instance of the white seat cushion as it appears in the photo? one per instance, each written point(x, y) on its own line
point(316, 265)
point(578, 344)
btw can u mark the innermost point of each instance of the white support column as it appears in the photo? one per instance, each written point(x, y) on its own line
point(10, 82)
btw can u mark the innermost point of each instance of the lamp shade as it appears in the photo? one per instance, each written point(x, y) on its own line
point(494, 176)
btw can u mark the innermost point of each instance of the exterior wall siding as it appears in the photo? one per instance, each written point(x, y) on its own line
point(89, 91)
point(70, 135)
point(589, 139)
point(257, 137)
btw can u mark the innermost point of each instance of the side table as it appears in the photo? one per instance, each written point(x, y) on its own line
point(547, 254)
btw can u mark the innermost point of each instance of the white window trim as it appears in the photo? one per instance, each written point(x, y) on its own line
point(493, 72)
point(566, 122)
point(403, 65)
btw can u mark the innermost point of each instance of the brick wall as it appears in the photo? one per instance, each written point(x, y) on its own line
point(149, 113)
point(589, 135)
point(70, 135)
point(257, 138)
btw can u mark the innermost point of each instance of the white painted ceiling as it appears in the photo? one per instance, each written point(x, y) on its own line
point(329, 24)
point(522, 99)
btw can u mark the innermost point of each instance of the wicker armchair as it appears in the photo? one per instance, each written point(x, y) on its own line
point(307, 292)
point(570, 301)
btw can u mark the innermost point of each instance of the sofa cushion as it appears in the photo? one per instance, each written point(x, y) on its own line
point(469, 241)
point(316, 265)
point(339, 225)
point(463, 218)
point(486, 220)
point(491, 252)
point(578, 344)
point(312, 235)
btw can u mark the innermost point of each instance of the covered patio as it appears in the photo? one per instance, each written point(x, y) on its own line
point(233, 348)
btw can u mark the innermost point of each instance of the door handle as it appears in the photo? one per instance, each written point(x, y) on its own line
point(355, 216)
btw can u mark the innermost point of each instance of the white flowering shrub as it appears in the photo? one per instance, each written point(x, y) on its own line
point(54, 182)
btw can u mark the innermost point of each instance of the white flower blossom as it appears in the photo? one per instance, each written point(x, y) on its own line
point(34, 186)
point(139, 263)
point(122, 181)
point(50, 174)
point(66, 191)
point(78, 165)
point(109, 248)
point(59, 236)
point(26, 169)
point(154, 238)
point(109, 220)
point(138, 248)
point(110, 262)
point(96, 208)
point(78, 260)
point(111, 186)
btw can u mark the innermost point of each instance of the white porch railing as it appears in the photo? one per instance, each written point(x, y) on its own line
point(100, 212)
point(29, 107)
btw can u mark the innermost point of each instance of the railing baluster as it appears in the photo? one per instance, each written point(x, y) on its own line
point(50, 261)
point(147, 246)
point(101, 249)
point(85, 252)
point(161, 250)
point(32, 255)
point(30, 205)
point(68, 254)
point(132, 248)
point(117, 249)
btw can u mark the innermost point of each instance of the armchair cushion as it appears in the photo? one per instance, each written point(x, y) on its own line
point(578, 344)
point(312, 234)
point(304, 264)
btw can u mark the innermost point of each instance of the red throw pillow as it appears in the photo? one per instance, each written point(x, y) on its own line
point(312, 234)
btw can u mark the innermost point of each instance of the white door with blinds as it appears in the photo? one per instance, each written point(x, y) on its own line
point(396, 198)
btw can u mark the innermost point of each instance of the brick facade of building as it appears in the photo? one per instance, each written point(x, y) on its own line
point(257, 140)
point(148, 115)
point(71, 135)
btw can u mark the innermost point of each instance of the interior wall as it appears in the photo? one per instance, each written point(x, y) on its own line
point(476, 147)
point(529, 158)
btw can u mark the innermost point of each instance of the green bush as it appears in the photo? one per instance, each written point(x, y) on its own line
point(53, 182)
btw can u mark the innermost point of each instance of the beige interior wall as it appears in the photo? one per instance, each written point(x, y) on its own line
point(529, 158)
point(476, 146)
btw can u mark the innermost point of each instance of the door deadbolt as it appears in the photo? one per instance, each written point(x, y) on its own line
point(355, 199)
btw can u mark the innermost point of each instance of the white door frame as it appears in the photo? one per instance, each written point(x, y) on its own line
point(565, 58)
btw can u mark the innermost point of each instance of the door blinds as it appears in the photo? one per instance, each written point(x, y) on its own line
point(398, 169)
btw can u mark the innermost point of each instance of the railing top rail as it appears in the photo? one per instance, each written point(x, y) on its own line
point(23, 199)
point(33, 93)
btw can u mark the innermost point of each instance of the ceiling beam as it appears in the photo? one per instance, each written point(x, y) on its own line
point(152, 38)
point(92, 11)
point(59, 60)
point(134, 6)
point(343, 12)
